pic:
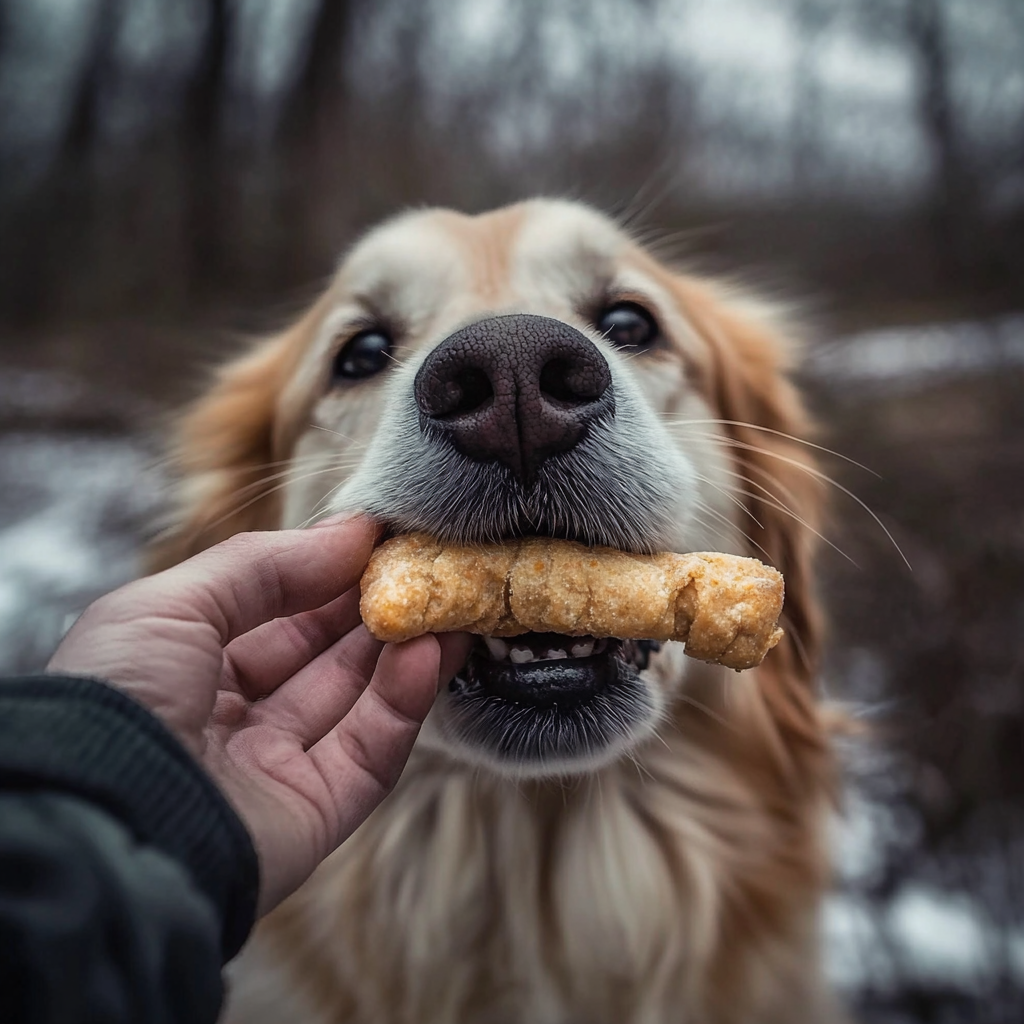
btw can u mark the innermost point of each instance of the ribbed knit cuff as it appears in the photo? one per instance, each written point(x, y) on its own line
point(82, 736)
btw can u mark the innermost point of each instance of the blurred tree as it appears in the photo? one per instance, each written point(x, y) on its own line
point(159, 156)
point(812, 16)
point(954, 201)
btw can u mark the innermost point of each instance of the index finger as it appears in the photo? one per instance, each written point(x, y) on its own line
point(252, 578)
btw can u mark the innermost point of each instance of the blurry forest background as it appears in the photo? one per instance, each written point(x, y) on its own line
point(175, 174)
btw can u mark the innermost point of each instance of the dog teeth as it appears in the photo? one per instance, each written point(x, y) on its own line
point(521, 654)
point(498, 648)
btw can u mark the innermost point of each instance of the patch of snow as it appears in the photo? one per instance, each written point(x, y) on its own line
point(854, 956)
point(906, 359)
point(74, 514)
point(925, 934)
point(940, 935)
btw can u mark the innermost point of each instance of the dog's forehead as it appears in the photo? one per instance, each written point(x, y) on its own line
point(552, 245)
point(404, 263)
point(556, 233)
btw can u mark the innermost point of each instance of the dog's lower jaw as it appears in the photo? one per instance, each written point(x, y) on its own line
point(535, 751)
point(661, 890)
point(555, 738)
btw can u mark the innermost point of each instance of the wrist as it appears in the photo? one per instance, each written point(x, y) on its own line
point(82, 736)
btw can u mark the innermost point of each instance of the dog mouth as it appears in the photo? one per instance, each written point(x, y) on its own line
point(543, 701)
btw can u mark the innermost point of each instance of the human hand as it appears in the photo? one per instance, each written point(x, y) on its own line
point(254, 655)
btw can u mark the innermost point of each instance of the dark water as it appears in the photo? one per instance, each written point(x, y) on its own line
point(928, 920)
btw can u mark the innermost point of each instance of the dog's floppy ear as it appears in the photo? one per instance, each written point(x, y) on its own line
point(224, 451)
point(745, 378)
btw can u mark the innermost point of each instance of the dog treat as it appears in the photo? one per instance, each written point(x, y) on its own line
point(724, 607)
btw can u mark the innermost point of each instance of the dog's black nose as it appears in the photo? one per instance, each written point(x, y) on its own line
point(514, 389)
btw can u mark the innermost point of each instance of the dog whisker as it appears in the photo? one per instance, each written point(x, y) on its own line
point(729, 523)
point(655, 732)
point(649, 194)
point(730, 496)
point(817, 474)
point(290, 462)
point(796, 640)
point(629, 356)
point(266, 493)
point(337, 433)
point(787, 492)
point(643, 772)
point(779, 507)
point(770, 500)
point(321, 510)
point(287, 475)
point(683, 422)
point(712, 714)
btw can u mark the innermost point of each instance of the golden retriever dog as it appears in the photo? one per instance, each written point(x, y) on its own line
point(587, 832)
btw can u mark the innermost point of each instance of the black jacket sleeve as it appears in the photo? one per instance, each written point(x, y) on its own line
point(126, 879)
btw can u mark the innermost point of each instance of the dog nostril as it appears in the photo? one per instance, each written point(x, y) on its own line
point(554, 382)
point(466, 392)
point(565, 382)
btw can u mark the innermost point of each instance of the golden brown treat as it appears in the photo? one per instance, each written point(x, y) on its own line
point(724, 607)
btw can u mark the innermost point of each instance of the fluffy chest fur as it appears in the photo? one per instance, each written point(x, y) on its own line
point(665, 890)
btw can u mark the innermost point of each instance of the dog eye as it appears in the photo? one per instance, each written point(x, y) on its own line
point(363, 356)
point(627, 325)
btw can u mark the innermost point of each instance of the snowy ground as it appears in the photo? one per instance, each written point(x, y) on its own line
point(74, 511)
point(909, 936)
point(79, 489)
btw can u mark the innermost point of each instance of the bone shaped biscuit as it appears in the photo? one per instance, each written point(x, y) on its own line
point(724, 607)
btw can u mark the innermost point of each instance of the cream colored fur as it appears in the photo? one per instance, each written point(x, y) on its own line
point(679, 883)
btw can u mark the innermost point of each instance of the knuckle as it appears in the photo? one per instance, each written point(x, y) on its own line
point(304, 633)
point(379, 770)
point(242, 546)
point(117, 606)
point(255, 550)
point(397, 717)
